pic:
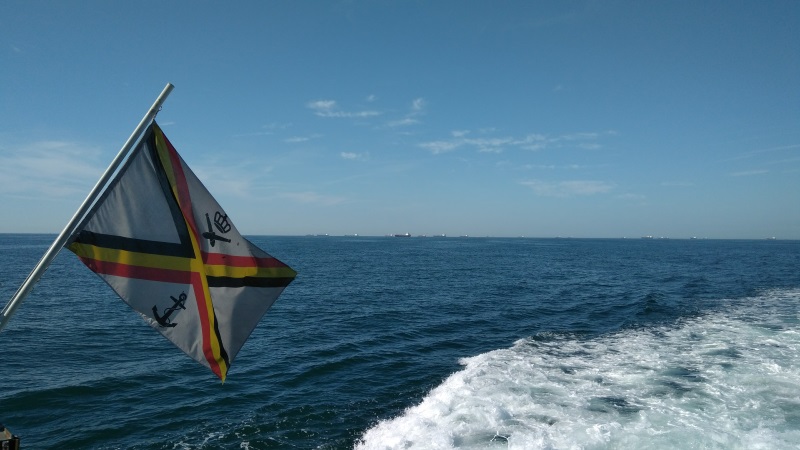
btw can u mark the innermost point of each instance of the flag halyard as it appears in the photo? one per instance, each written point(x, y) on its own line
point(203, 290)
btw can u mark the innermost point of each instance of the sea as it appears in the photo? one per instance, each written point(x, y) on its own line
point(429, 343)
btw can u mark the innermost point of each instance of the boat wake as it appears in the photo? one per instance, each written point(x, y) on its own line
point(726, 379)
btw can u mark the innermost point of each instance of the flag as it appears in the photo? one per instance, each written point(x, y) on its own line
point(161, 241)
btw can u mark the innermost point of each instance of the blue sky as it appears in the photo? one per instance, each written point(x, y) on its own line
point(514, 118)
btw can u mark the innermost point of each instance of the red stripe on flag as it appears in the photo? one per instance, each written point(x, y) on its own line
point(197, 280)
point(220, 259)
point(184, 199)
point(138, 272)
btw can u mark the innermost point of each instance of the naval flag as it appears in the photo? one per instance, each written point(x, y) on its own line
point(168, 249)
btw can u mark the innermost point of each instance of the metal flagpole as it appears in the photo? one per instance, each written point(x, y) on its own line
point(65, 234)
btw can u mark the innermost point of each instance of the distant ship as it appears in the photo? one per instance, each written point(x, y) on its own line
point(403, 235)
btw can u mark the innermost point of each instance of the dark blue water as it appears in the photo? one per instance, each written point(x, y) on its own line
point(429, 343)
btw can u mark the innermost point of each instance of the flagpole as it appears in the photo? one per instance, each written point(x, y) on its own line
point(65, 234)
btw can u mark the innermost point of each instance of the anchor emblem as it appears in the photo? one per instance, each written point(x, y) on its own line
point(221, 223)
point(164, 320)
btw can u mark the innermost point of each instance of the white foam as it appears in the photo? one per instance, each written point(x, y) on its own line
point(725, 380)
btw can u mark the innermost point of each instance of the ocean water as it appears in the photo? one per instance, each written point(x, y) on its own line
point(429, 343)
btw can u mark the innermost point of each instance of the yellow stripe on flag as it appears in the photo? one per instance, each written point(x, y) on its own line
point(148, 260)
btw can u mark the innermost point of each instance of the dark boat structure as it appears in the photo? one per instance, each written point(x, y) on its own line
point(8, 441)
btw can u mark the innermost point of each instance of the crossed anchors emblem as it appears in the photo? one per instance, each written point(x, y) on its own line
point(221, 224)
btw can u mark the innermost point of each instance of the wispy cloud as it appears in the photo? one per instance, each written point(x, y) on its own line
point(416, 110)
point(299, 139)
point(355, 156)
point(567, 188)
point(241, 180)
point(266, 130)
point(402, 122)
point(555, 167)
point(329, 108)
point(762, 151)
point(437, 147)
point(749, 173)
point(277, 126)
point(534, 142)
point(49, 168)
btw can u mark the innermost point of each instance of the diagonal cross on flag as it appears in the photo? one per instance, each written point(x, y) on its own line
point(143, 237)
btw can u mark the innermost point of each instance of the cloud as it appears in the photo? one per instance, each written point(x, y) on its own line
point(494, 145)
point(410, 118)
point(266, 130)
point(328, 108)
point(567, 188)
point(322, 105)
point(276, 126)
point(403, 122)
point(313, 197)
point(49, 168)
point(578, 136)
point(749, 173)
point(235, 185)
point(553, 166)
point(298, 139)
point(758, 152)
point(437, 147)
point(243, 179)
point(533, 142)
point(355, 156)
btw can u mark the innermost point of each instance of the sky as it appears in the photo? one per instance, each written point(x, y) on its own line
point(566, 118)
